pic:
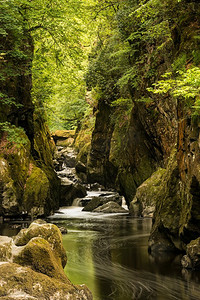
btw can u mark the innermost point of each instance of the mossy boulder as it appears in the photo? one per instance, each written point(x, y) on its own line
point(18, 282)
point(8, 192)
point(47, 231)
point(144, 202)
point(14, 168)
point(31, 266)
point(38, 255)
point(6, 244)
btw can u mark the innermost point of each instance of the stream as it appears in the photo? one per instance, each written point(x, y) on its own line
point(109, 253)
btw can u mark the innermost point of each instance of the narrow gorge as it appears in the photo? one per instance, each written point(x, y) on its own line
point(100, 135)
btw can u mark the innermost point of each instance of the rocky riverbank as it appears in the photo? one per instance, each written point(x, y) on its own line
point(31, 266)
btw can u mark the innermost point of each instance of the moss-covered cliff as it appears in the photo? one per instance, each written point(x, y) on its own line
point(137, 131)
point(25, 143)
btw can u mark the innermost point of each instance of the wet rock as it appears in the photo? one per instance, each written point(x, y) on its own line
point(31, 266)
point(144, 201)
point(96, 187)
point(62, 229)
point(186, 262)
point(72, 192)
point(110, 207)
point(192, 258)
point(94, 203)
point(69, 157)
point(103, 198)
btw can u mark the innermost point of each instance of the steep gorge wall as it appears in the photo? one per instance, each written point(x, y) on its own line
point(158, 133)
point(28, 183)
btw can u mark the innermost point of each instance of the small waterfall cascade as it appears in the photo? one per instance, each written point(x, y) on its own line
point(77, 192)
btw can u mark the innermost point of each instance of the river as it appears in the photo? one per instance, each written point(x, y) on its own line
point(109, 253)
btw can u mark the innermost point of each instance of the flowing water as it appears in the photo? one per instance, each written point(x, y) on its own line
point(109, 253)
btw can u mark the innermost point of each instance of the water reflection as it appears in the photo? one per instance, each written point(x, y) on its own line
point(109, 254)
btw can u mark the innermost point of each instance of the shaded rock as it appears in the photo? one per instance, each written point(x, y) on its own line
point(165, 232)
point(96, 187)
point(69, 157)
point(186, 262)
point(192, 258)
point(31, 266)
point(144, 201)
point(159, 242)
point(72, 192)
point(66, 184)
point(80, 167)
point(94, 203)
point(110, 207)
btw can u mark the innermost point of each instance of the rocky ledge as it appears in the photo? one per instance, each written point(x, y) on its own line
point(31, 266)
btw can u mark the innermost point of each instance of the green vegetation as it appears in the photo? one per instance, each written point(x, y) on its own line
point(185, 85)
point(114, 50)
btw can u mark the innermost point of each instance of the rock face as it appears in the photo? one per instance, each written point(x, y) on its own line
point(156, 131)
point(32, 265)
point(26, 147)
point(144, 202)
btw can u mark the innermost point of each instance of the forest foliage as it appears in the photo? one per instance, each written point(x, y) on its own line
point(112, 47)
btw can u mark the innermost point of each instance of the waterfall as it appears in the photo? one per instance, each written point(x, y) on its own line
point(77, 202)
point(124, 205)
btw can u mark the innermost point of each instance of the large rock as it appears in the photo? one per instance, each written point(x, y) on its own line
point(64, 138)
point(192, 258)
point(47, 231)
point(102, 199)
point(110, 207)
point(144, 202)
point(31, 266)
point(37, 199)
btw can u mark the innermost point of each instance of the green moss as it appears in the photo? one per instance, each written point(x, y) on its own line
point(18, 281)
point(42, 141)
point(49, 232)
point(37, 190)
point(38, 254)
point(146, 192)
